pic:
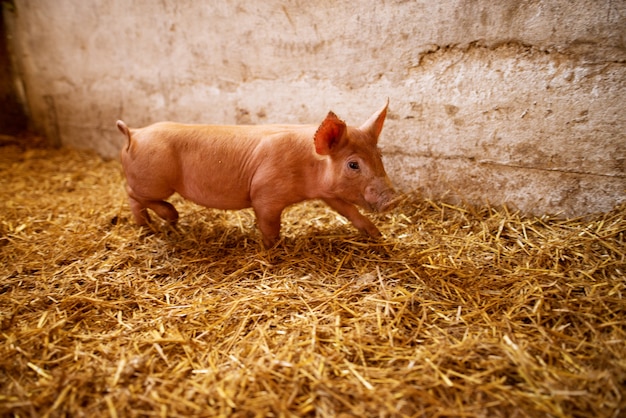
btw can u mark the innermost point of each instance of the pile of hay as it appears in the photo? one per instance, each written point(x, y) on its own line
point(456, 312)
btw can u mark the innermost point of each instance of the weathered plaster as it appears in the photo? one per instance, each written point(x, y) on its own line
point(517, 102)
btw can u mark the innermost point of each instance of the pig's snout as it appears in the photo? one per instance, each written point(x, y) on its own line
point(381, 200)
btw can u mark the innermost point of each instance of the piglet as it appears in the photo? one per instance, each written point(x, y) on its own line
point(266, 167)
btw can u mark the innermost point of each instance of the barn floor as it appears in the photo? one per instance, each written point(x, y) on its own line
point(456, 312)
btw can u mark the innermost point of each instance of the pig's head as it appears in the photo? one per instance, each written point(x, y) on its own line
point(355, 170)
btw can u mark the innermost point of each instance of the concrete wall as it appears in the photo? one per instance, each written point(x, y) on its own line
point(518, 102)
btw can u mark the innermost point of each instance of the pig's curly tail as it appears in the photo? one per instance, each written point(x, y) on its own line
point(124, 129)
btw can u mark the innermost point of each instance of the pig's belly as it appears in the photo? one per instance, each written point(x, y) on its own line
point(218, 194)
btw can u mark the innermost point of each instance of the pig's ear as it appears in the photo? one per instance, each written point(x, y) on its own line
point(374, 125)
point(329, 134)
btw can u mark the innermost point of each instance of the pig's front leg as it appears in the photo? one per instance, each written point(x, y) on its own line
point(350, 211)
point(268, 220)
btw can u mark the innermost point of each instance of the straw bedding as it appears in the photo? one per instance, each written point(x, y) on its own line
point(458, 311)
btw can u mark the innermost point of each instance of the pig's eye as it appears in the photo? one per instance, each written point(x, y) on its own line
point(353, 165)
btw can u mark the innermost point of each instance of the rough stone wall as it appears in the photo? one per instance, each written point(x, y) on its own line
point(517, 102)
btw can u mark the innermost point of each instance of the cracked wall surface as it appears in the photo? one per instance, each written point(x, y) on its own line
point(516, 102)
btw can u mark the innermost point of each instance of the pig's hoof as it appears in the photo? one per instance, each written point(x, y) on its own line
point(376, 237)
point(270, 243)
point(373, 232)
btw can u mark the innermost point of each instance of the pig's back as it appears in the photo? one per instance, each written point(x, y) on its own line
point(212, 165)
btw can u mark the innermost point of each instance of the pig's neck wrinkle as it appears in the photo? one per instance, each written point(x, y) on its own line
point(322, 182)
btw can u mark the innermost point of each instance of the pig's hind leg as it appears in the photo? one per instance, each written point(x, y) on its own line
point(139, 208)
point(139, 211)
